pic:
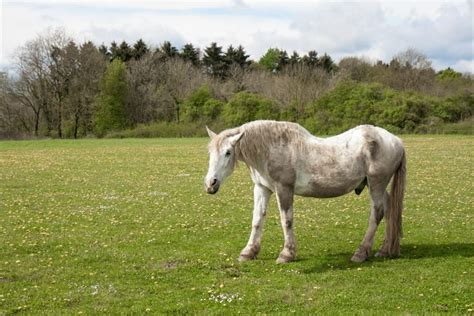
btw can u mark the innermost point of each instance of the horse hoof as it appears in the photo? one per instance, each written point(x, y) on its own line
point(283, 259)
point(381, 254)
point(358, 258)
point(246, 257)
point(360, 255)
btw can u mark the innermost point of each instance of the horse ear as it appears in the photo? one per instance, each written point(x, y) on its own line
point(210, 133)
point(235, 138)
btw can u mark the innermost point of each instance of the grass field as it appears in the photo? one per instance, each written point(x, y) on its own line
point(124, 226)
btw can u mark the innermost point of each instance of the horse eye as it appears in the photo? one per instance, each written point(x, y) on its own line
point(227, 154)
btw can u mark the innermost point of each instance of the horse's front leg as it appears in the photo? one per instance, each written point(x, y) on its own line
point(285, 204)
point(261, 196)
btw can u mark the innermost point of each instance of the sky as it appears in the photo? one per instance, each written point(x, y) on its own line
point(375, 30)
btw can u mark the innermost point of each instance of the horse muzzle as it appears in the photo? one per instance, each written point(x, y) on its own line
point(212, 186)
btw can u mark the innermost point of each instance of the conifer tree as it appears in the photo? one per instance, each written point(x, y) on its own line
point(295, 58)
point(139, 49)
point(326, 63)
point(283, 59)
point(189, 53)
point(241, 57)
point(114, 50)
point(214, 60)
point(311, 59)
point(124, 51)
point(168, 50)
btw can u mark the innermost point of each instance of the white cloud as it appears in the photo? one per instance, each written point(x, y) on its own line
point(143, 4)
point(376, 29)
point(379, 30)
point(463, 66)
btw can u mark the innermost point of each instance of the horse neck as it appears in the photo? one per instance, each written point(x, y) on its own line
point(250, 153)
point(242, 155)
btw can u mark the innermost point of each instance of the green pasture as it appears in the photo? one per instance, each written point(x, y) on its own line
point(125, 227)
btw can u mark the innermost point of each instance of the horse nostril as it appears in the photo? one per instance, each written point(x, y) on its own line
point(214, 181)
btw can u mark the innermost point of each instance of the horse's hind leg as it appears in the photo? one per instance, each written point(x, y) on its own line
point(285, 204)
point(261, 195)
point(378, 197)
point(383, 251)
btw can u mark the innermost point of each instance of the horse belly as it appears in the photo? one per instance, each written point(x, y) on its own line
point(321, 187)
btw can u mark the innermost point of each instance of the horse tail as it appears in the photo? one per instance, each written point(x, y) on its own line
point(394, 215)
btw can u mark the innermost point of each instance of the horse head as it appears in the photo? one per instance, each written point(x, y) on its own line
point(222, 159)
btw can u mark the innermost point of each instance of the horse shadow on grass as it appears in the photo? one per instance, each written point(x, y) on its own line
point(341, 261)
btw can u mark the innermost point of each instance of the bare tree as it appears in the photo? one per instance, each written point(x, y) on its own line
point(83, 87)
point(293, 88)
point(16, 119)
point(40, 86)
point(31, 90)
point(159, 86)
point(300, 85)
point(29, 96)
point(411, 58)
point(62, 68)
point(145, 99)
point(409, 70)
point(356, 69)
point(182, 78)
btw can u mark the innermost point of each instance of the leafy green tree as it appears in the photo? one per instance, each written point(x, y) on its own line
point(455, 108)
point(274, 59)
point(212, 109)
point(200, 105)
point(448, 74)
point(193, 105)
point(111, 113)
point(270, 60)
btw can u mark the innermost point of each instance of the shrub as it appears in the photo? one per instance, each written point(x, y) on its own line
point(245, 107)
point(350, 104)
point(193, 105)
point(201, 106)
point(161, 129)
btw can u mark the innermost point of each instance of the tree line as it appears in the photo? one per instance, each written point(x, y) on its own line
point(67, 90)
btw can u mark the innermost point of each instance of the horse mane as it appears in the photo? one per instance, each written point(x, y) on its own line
point(260, 136)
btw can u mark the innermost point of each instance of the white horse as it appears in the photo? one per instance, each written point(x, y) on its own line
point(285, 158)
